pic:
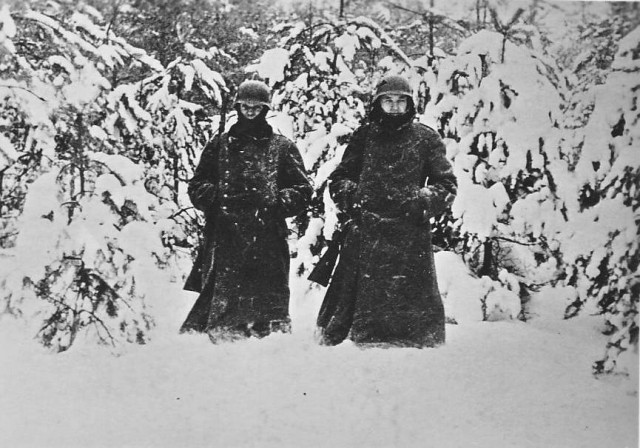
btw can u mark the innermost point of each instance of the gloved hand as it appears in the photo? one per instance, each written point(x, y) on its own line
point(417, 208)
point(287, 198)
point(425, 195)
point(344, 195)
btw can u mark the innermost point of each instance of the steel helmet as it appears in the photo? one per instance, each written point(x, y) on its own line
point(393, 85)
point(253, 93)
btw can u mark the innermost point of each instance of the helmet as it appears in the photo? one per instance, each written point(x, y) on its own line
point(393, 85)
point(253, 93)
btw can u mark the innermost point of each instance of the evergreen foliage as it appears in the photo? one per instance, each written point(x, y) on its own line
point(107, 105)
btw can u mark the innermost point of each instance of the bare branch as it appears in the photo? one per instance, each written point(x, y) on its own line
point(515, 18)
point(509, 240)
point(116, 10)
point(25, 89)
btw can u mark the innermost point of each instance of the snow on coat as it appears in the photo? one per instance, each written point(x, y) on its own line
point(246, 186)
point(384, 289)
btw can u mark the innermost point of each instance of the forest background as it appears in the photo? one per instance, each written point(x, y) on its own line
point(106, 106)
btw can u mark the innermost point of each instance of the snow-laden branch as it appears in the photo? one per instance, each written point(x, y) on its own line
point(428, 13)
point(391, 44)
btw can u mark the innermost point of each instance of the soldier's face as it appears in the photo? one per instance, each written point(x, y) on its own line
point(394, 104)
point(249, 111)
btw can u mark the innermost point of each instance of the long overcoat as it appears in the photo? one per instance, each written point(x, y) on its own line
point(246, 187)
point(384, 288)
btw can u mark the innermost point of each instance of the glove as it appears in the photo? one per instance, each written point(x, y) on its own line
point(344, 195)
point(417, 209)
point(425, 196)
point(287, 198)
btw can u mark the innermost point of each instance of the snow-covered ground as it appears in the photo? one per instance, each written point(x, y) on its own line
point(494, 384)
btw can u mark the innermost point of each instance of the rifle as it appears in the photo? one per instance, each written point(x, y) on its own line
point(321, 273)
point(197, 277)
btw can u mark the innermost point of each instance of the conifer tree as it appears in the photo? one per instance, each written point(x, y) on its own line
point(107, 165)
point(600, 249)
point(498, 104)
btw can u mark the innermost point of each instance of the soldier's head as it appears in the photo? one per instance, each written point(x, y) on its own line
point(393, 97)
point(253, 99)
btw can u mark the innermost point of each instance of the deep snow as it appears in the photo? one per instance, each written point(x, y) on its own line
point(494, 384)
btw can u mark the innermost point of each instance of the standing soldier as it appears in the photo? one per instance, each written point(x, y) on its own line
point(247, 182)
point(393, 178)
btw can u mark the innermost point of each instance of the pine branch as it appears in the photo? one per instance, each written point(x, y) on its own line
point(93, 318)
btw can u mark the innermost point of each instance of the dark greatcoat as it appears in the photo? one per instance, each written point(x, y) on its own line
point(246, 186)
point(384, 289)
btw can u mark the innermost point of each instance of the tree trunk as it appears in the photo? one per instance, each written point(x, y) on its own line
point(431, 37)
point(487, 259)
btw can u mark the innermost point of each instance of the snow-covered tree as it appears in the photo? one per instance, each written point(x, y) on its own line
point(53, 83)
point(587, 62)
point(108, 164)
point(498, 104)
point(82, 259)
point(601, 246)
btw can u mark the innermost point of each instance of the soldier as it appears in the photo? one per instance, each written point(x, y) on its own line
point(247, 182)
point(392, 179)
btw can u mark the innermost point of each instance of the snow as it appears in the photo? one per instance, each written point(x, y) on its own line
point(282, 123)
point(479, 208)
point(189, 74)
point(62, 62)
point(7, 152)
point(69, 36)
point(492, 384)
point(271, 65)
point(501, 304)
point(39, 203)
point(82, 21)
point(7, 29)
point(496, 382)
point(628, 45)
point(196, 52)
point(123, 167)
point(367, 34)
point(349, 43)
point(138, 242)
point(210, 78)
point(456, 283)
point(383, 37)
point(249, 32)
